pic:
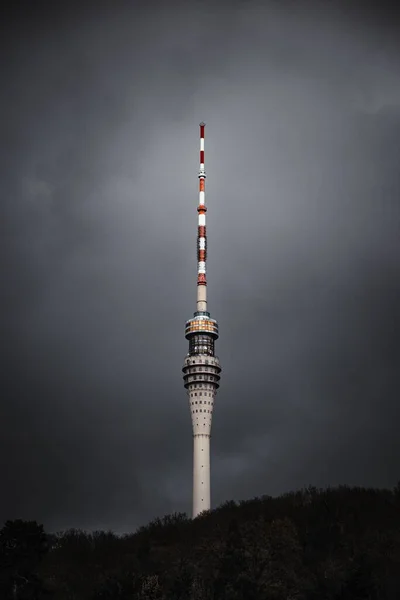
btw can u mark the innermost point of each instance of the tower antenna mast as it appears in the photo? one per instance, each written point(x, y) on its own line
point(201, 369)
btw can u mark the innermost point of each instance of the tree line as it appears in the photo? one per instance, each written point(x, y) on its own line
point(313, 544)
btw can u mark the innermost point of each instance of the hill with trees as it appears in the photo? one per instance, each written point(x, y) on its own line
point(341, 543)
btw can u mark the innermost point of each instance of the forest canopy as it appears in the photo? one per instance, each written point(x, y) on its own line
point(311, 544)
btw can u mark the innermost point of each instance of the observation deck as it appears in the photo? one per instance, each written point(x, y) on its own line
point(201, 323)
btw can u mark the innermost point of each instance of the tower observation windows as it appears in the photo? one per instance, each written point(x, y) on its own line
point(200, 325)
point(201, 344)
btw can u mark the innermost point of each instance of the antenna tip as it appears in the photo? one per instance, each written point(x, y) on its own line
point(202, 124)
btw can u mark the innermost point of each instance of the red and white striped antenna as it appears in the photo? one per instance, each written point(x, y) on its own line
point(201, 232)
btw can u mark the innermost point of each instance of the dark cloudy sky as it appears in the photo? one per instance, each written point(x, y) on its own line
point(99, 113)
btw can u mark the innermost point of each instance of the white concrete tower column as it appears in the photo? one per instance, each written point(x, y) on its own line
point(201, 473)
point(201, 379)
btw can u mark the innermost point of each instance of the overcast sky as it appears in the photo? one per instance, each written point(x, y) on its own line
point(100, 107)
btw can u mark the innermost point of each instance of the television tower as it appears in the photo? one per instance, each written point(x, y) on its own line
point(201, 368)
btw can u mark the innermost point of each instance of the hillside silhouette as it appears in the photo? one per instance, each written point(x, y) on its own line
point(340, 543)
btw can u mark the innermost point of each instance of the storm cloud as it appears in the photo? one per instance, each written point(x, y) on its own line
point(99, 118)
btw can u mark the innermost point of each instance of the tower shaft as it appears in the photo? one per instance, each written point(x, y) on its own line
point(201, 474)
point(201, 369)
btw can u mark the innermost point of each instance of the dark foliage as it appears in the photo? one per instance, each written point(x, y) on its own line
point(23, 545)
point(335, 544)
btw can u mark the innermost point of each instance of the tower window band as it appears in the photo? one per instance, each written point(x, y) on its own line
point(201, 344)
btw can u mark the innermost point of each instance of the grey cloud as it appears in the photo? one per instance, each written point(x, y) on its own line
point(99, 196)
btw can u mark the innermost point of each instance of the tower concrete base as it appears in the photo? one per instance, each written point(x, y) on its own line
point(201, 474)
